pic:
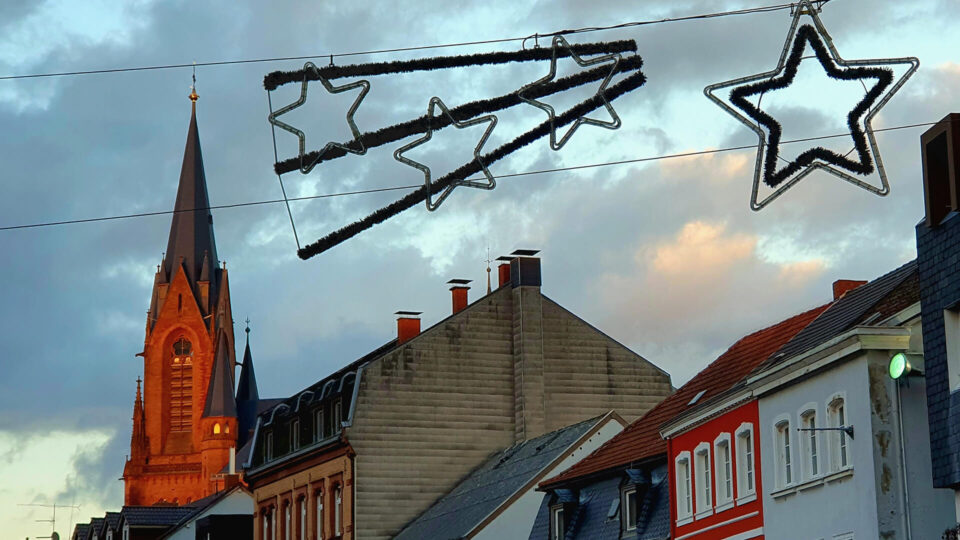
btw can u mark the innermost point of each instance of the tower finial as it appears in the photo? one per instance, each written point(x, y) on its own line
point(193, 87)
point(248, 326)
point(488, 269)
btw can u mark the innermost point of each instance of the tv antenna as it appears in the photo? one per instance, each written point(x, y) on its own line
point(53, 519)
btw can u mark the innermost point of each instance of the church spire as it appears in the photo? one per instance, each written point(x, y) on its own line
point(220, 402)
point(191, 229)
point(247, 394)
point(138, 438)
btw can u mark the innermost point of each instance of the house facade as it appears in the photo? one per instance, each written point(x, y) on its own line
point(427, 408)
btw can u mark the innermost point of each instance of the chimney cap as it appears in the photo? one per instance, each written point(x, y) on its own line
point(459, 281)
point(408, 313)
point(504, 258)
point(525, 252)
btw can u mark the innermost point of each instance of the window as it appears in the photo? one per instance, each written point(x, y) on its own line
point(745, 466)
point(287, 522)
point(295, 435)
point(809, 438)
point(266, 526)
point(181, 386)
point(630, 509)
point(337, 511)
point(951, 322)
point(784, 467)
point(337, 416)
point(319, 498)
point(302, 523)
point(704, 480)
point(126, 532)
point(684, 494)
point(109, 535)
point(318, 431)
point(216, 428)
point(556, 523)
point(724, 464)
point(837, 416)
point(268, 447)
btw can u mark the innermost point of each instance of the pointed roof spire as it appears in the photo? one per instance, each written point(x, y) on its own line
point(247, 388)
point(191, 230)
point(138, 437)
point(220, 392)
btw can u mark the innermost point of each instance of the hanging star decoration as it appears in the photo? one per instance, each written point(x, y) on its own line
point(859, 119)
point(523, 94)
point(490, 120)
point(355, 147)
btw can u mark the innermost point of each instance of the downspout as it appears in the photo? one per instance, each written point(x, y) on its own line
point(903, 468)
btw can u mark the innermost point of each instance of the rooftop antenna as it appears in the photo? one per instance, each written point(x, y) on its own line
point(53, 520)
point(488, 269)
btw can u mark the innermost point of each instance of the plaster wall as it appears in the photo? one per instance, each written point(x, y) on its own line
point(238, 502)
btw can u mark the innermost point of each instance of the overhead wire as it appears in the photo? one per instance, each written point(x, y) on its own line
point(416, 186)
point(522, 39)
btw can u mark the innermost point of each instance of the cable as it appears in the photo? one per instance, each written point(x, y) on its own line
point(417, 186)
point(522, 39)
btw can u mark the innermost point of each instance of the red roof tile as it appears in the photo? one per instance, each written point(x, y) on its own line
point(641, 439)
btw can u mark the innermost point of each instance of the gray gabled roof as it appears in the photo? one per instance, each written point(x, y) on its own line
point(191, 232)
point(220, 401)
point(491, 484)
point(155, 516)
point(842, 314)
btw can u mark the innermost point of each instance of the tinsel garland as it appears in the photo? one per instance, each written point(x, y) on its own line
point(278, 78)
point(630, 83)
point(464, 112)
point(738, 96)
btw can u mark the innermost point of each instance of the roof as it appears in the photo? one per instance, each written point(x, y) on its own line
point(595, 502)
point(247, 387)
point(80, 531)
point(191, 232)
point(641, 439)
point(492, 484)
point(96, 524)
point(155, 516)
point(851, 308)
point(112, 520)
point(220, 400)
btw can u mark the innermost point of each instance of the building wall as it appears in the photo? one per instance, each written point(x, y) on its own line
point(512, 365)
point(308, 481)
point(238, 502)
point(746, 513)
point(938, 263)
point(517, 520)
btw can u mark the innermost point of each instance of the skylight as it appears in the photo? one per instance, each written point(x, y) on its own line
point(697, 397)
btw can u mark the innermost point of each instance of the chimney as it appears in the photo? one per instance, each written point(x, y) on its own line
point(233, 460)
point(525, 268)
point(940, 147)
point(408, 325)
point(459, 293)
point(503, 270)
point(843, 286)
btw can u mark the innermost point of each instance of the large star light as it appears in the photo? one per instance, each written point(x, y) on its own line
point(879, 84)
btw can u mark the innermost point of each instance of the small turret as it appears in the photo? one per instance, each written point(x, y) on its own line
point(247, 395)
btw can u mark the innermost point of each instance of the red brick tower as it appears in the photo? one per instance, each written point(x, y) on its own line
point(186, 423)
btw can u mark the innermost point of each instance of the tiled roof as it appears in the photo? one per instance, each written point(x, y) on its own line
point(80, 531)
point(112, 518)
point(851, 308)
point(491, 484)
point(641, 439)
point(153, 516)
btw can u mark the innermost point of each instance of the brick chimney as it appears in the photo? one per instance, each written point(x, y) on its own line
point(459, 293)
point(503, 270)
point(940, 147)
point(408, 325)
point(843, 286)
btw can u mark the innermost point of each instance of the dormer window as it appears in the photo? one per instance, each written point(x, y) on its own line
point(268, 447)
point(318, 428)
point(629, 505)
point(295, 435)
point(557, 525)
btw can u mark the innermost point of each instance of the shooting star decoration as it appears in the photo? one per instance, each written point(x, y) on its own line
point(859, 119)
point(460, 116)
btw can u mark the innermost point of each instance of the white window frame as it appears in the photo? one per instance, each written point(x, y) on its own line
point(703, 480)
point(557, 528)
point(683, 469)
point(746, 464)
point(839, 445)
point(320, 515)
point(126, 531)
point(338, 510)
point(302, 503)
point(629, 511)
point(295, 435)
point(724, 472)
point(109, 534)
point(784, 456)
point(268, 447)
point(318, 424)
point(337, 415)
point(811, 447)
point(287, 522)
point(951, 334)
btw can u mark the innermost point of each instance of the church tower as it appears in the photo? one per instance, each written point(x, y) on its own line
point(185, 424)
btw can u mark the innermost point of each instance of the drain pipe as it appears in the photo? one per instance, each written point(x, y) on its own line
point(903, 467)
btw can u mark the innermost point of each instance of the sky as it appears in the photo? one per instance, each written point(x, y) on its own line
point(663, 255)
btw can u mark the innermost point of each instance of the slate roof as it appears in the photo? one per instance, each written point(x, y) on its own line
point(641, 440)
point(220, 400)
point(493, 483)
point(191, 232)
point(850, 309)
point(80, 531)
point(590, 521)
point(156, 516)
point(112, 520)
point(96, 524)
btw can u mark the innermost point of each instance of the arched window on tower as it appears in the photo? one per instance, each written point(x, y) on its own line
point(181, 386)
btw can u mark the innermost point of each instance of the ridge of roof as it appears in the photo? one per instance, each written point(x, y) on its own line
point(641, 440)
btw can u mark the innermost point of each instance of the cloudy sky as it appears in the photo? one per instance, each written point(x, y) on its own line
point(665, 256)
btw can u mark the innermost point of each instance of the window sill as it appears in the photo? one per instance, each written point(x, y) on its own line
point(684, 521)
point(725, 506)
point(704, 513)
point(749, 497)
point(839, 475)
point(812, 483)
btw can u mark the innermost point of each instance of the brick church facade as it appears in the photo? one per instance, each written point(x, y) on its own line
point(185, 421)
